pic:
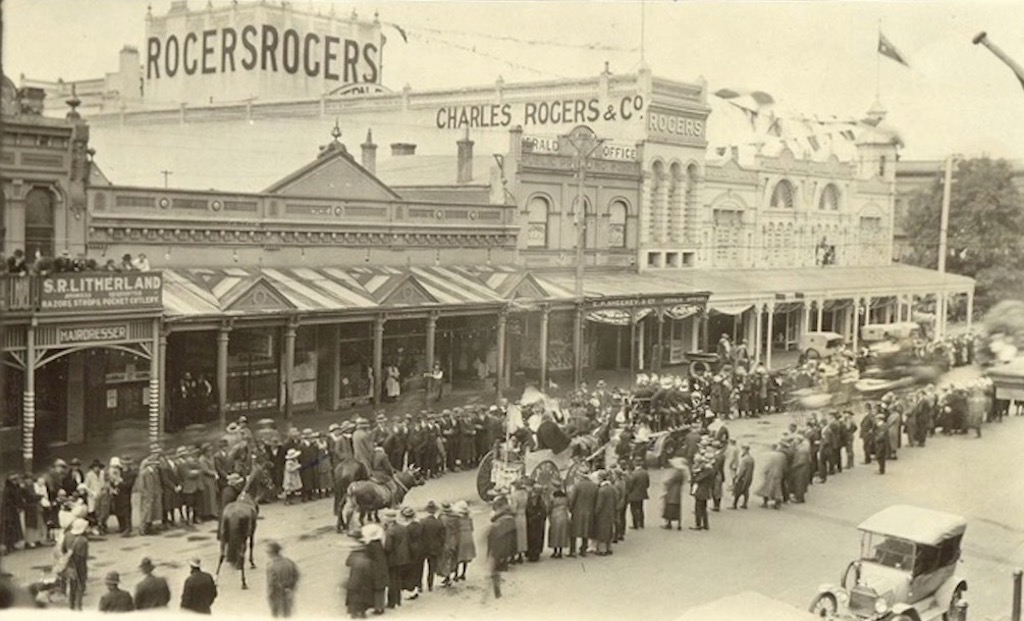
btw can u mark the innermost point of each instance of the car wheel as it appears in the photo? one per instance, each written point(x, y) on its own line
point(824, 605)
point(953, 612)
point(812, 354)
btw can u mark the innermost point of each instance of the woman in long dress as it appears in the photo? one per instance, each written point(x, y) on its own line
point(517, 503)
point(558, 531)
point(392, 383)
point(450, 552)
point(467, 546)
point(33, 493)
point(536, 518)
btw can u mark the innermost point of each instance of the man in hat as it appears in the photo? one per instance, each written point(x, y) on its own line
point(170, 486)
point(282, 578)
point(75, 548)
point(743, 478)
point(882, 446)
point(380, 466)
point(199, 591)
point(188, 473)
point(637, 485)
point(152, 591)
point(362, 443)
point(412, 577)
point(308, 457)
point(115, 599)
point(396, 546)
point(582, 501)
point(432, 537)
point(232, 488)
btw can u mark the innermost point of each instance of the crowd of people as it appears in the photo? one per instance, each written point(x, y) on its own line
point(19, 264)
point(410, 553)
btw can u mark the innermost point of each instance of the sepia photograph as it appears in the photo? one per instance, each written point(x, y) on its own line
point(687, 310)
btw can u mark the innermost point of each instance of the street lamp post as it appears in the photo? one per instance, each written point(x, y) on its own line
point(585, 143)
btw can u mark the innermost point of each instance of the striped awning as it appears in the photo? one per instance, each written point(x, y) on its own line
point(252, 291)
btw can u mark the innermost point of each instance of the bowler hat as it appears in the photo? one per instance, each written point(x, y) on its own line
point(431, 507)
point(113, 578)
point(408, 512)
point(146, 564)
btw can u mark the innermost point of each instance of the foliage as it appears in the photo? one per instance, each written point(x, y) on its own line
point(986, 222)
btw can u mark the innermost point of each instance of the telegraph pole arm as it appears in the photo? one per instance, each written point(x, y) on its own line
point(982, 38)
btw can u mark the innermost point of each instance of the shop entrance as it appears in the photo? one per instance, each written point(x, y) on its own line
point(466, 347)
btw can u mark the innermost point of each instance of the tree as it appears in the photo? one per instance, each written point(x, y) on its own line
point(986, 222)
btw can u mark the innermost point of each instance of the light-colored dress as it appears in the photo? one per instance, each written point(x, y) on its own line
point(292, 479)
point(517, 502)
point(467, 546)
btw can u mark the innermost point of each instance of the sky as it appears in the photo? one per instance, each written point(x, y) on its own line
point(812, 57)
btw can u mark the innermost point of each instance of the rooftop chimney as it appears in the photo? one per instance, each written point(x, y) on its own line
point(369, 153)
point(402, 148)
point(465, 172)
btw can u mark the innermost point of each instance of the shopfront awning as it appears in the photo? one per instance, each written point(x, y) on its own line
point(729, 309)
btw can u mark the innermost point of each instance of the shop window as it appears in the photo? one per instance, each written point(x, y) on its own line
point(783, 196)
point(829, 200)
point(39, 220)
point(538, 210)
point(617, 224)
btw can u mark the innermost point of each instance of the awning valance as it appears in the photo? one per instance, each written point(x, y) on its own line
point(616, 317)
point(729, 309)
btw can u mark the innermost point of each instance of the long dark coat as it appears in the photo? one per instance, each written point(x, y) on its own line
point(582, 501)
point(558, 532)
point(674, 495)
point(773, 471)
point(704, 480)
point(501, 538)
point(359, 587)
point(375, 550)
point(800, 470)
point(536, 518)
point(396, 544)
point(604, 513)
point(637, 485)
point(10, 520)
point(744, 475)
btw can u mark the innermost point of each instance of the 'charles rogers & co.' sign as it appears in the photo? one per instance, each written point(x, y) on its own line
point(101, 291)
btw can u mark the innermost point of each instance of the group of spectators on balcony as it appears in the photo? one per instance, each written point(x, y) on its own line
point(20, 265)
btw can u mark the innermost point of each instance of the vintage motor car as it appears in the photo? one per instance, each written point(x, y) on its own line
point(907, 570)
point(898, 332)
point(816, 345)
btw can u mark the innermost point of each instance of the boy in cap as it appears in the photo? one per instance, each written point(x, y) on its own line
point(115, 599)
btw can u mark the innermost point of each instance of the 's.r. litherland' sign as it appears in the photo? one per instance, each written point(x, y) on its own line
point(101, 292)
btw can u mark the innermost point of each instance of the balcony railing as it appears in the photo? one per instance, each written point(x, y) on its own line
point(19, 293)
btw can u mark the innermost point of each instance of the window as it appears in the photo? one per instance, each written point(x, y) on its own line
point(881, 166)
point(39, 220)
point(537, 224)
point(949, 551)
point(728, 241)
point(783, 196)
point(829, 198)
point(617, 224)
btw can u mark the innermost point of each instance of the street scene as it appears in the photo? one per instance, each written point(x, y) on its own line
point(443, 310)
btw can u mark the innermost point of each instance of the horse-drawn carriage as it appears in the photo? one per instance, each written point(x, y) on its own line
point(549, 470)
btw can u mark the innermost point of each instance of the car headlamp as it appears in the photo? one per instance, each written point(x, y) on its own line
point(881, 606)
point(842, 597)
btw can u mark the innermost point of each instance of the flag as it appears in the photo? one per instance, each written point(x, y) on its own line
point(886, 48)
point(401, 31)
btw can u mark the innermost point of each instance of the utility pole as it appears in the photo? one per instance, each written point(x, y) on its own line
point(166, 174)
point(947, 190)
point(585, 143)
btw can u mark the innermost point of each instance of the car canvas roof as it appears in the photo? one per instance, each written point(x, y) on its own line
point(915, 524)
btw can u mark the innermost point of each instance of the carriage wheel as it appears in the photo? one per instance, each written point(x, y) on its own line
point(698, 367)
point(484, 485)
point(546, 476)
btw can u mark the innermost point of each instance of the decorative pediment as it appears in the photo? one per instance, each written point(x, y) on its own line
point(260, 296)
point(528, 288)
point(408, 292)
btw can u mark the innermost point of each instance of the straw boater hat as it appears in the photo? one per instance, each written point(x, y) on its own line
point(362, 422)
point(446, 507)
point(371, 532)
point(381, 418)
point(461, 507)
point(347, 427)
point(408, 513)
point(234, 478)
point(307, 433)
point(333, 427)
point(292, 454)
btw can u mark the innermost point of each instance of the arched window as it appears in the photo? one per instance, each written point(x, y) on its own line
point(537, 227)
point(617, 211)
point(783, 196)
point(829, 200)
point(39, 218)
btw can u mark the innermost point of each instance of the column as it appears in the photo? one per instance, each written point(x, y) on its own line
point(334, 364)
point(543, 348)
point(705, 338)
point(223, 338)
point(970, 309)
point(632, 345)
point(770, 309)
point(28, 400)
point(577, 345)
point(821, 313)
point(856, 322)
point(155, 389)
point(378, 358)
point(431, 340)
point(758, 336)
point(659, 350)
point(889, 314)
point(289, 364)
point(639, 341)
point(939, 311)
point(162, 382)
point(695, 323)
point(499, 372)
point(805, 322)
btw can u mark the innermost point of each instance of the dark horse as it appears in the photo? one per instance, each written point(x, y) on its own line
point(238, 524)
point(369, 497)
point(345, 473)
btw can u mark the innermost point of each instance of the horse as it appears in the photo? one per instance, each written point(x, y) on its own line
point(369, 497)
point(238, 525)
point(346, 472)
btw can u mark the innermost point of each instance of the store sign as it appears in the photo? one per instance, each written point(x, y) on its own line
point(101, 292)
point(675, 125)
point(573, 111)
point(92, 334)
point(552, 144)
point(648, 302)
